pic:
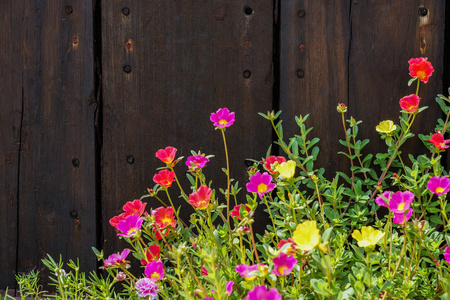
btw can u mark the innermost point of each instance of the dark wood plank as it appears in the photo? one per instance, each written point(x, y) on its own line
point(10, 120)
point(57, 161)
point(314, 45)
point(356, 52)
point(187, 59)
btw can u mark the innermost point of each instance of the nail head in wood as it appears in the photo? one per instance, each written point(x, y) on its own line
point(247, 74)
point(75, 162)
point(248, 10)
point(74, 214)
point(130, 159)
point(127, 69)
point(423, 12)
point(300, 73)
point(68, 9)
point(125, 11)
point(301, 12)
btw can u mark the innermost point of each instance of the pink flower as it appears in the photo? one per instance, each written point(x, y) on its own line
point(261, 293)
point(269, 161)
point(438, 141)
point(164, 178)
point(147, 288)
point(283, 264)
point(201, 198)
point(402, 217)
point(229, 288)
point(130, 226)
point(420, 68)
point(114, 221)
point(236, 211)
point(204, 271)
point(164, 217)
point(166, 155)
point(154, 270)
point(410, 103)
point(439, 185)
point(260, 183)
point(246, 271)
point(400, 201)
point(134, 208)
point(196, 162)
point(381, 201)
point(447, 254)
point(116, 259)
point(153, 253)
point(222, 118)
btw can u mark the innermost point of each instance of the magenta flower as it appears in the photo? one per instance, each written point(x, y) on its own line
point(439, 185)
point(116, 259)
point(283, 264)
point(402, 217)
point(229, 288)
point(147, 288)
point(222, 118)
point(130, 226)
point(400, 201)
point(380, 200)
point(261, 293)
point(447, 254)
point(246, 271)
point(154, 270)
point(196, 162)
point(260, 183)
point(204, 271)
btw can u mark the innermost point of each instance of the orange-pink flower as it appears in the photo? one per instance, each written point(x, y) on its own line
point(269, 161)
point(164, 217)
point(166, 155)
point(134, 208)
point(410, 103)
point(420, 68)
point(164, 178)
point(438, 141)
point(201, 198)
point(114, 221)
point(153, 253)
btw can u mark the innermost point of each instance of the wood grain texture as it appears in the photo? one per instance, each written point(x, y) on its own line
point(187, 60)
point(355, 52)
point(10, 120)
point(57, 159)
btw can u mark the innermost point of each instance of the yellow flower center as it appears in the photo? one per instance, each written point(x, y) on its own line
point(439, 190)
point(223, 122)
point(132, 230)
point(401, 206)
point(166, 221)
point(421, 74)
point(154, 275)
point(262, 188)
point(281, 269)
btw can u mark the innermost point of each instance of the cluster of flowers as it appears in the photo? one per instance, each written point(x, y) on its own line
point(305, 237)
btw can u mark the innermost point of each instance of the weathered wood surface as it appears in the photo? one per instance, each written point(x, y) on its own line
point(186, 60)
point(47, 135)
point(356, 52)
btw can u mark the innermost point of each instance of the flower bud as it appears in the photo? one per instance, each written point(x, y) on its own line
point(121, 276)
point(341, 108)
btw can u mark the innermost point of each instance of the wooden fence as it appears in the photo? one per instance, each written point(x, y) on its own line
point(90, 90)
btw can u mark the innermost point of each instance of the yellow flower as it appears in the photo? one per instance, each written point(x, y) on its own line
point(306, 236)
point(286, 169)
point(386, 127)
point(368, 237)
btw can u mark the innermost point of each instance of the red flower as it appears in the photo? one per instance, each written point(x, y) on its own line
point(271, 160)
point(164, 217)
point(166, 155)
point(114, 221)
point(438, 141)
point(201, 198)
point(134, 208)
point(153, 253)
point(235, 212)
point(164, 178)
point(420, 68)
point(410, 103)
point(158, 233)
point(291, 250)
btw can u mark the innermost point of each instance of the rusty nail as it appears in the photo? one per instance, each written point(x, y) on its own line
point(74, 214)
point(75, 40)
point(248, 10)
point(68, 9)
point(75, 162)
point(423, 11)
point(247, 74)
point(130, 159)
point(301, 12)
point(248, 44)
point(127, 69)
point(300, 73)
point(128, 45)
point(301, 47)
point(125, 11)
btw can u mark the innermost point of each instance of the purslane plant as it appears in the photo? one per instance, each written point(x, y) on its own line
point(379, 231)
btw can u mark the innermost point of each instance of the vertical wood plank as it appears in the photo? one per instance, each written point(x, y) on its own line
point(10, 120)
point(186, 60)
point(57, 159)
